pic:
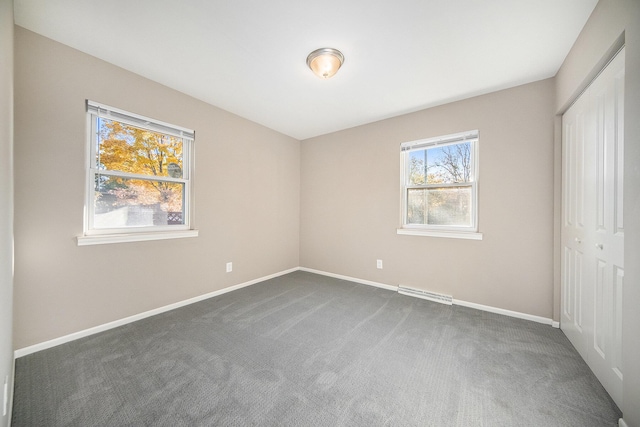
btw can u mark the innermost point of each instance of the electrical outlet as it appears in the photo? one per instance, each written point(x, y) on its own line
point(379, 264)
point(229, 267)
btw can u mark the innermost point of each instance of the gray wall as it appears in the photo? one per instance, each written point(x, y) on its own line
point(6, 199)
point(350, 203)
point(246, 198)
point(610, 20)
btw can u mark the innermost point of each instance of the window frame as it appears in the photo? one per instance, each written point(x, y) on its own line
point(92, 235)
point(438, 230)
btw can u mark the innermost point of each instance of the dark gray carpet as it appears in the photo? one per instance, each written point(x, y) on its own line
point(308, 350)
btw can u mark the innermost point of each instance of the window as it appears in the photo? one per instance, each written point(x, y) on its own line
point(138, 179)
point(439, 186)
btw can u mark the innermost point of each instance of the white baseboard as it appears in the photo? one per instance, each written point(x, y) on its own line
point(351, 279)
point(11, 390)
point(517, 314)
point(538, 319)
point(100, 328)
point(621, 423)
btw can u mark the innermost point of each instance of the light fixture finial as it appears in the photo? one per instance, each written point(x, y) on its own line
point(325, 62)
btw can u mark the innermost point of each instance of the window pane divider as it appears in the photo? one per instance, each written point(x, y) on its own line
point(129, 175)
point(428, 186)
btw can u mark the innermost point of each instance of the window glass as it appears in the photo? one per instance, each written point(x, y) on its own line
point(139, 174)
point(439, 183)
point(439, 206)
point(124, 202)
point(447, 164)
point(127, 148)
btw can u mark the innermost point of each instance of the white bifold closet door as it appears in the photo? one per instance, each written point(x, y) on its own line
point(592, 225)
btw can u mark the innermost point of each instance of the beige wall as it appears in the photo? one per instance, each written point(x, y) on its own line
point(257, 188)
point(6, 200)
point(350, 203)
point(611, 20)
point(246, 193)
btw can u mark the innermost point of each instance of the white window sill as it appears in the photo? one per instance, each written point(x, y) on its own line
point(471, 235)
point(134, 237)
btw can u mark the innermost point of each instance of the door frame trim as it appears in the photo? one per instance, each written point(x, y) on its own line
point(611, 53)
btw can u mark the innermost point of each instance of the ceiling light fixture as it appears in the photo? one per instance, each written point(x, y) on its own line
point(325, 62)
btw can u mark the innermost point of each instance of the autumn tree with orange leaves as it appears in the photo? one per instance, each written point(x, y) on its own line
point(128, 149)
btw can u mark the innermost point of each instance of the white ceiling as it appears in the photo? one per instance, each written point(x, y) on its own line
point(248, 56)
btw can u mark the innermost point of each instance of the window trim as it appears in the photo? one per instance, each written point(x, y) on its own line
point(433, 230)
point(102, 239)
point(91, 235)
